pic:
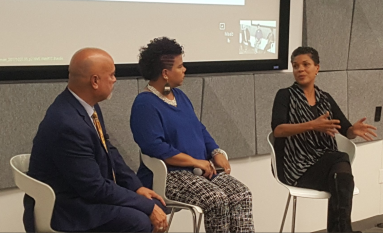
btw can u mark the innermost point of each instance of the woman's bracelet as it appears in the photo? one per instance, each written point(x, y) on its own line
point(217, 151)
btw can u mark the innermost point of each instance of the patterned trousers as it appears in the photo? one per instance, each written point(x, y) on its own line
point(226, 202)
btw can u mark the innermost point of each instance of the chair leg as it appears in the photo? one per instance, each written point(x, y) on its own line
point(170, 219)
point(194, 220)
point(199, 222)
point(294, 214)
point(284, 215)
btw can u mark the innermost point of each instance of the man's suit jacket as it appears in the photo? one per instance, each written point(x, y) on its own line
point(68, 155)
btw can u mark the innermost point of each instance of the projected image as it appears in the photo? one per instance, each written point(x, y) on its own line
point(214, 2)
point(257, 37)
point(27, 60)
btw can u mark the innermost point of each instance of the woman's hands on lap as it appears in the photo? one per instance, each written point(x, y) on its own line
point(221, 161)
point(205, 165)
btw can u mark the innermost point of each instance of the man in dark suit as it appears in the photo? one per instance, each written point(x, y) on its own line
point(95, 190)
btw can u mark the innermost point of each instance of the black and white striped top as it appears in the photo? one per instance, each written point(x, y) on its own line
point(295, 154)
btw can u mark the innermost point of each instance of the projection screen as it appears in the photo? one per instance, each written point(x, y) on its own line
point(40, 36)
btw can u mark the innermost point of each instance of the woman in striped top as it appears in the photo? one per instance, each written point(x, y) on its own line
point(305, 120)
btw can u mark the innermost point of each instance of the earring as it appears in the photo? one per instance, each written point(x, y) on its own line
point(167, 87)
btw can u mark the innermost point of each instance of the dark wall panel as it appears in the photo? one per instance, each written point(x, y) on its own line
point(327, 26)
point(116, 113)
point(365, 93)
point(367, 35)
point(23, 106)
point(266, 87)
point(228, 113)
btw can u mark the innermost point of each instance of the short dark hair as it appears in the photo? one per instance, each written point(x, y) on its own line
point(159, 54)
point(306, 50)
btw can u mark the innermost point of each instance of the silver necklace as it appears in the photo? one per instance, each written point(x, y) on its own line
point(172, 102)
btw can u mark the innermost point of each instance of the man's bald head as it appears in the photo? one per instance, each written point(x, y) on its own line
point(83, 62)
point(86, 69)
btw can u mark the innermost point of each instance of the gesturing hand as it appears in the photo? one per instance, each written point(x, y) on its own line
point(148, 193)
point(158, 219)
point(363, 130)
point(324, 125)
point(221, 161)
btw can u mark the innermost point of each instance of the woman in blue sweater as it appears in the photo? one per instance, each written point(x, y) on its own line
point(165, 126)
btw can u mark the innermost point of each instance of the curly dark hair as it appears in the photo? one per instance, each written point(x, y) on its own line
point(159, 54)
point(306, 50)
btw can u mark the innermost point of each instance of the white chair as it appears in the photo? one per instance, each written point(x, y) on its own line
point(42, 193)
point(160, 172)
point(344, 144)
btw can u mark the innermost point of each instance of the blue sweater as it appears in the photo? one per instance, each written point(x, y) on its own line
point(162, 131)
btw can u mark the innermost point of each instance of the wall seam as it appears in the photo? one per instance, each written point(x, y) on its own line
point(349, 41)
point(202, 98)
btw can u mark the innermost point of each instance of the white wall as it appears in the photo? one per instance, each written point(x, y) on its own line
point(296, 22)
point(268, 197)
point(11, 210)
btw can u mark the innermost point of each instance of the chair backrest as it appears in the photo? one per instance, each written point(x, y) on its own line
point(270, 140)
point(42, 193)
point(160, 172)
point(344, 145)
